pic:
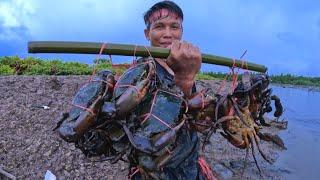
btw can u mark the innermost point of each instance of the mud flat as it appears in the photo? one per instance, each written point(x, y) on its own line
point(29, 147)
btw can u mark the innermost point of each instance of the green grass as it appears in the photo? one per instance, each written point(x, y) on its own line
point(10, 65)
point(13, 65)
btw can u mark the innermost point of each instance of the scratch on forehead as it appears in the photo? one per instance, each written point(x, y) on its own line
point(160, 14)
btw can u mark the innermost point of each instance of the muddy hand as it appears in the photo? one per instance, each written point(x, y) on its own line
point(185, 61)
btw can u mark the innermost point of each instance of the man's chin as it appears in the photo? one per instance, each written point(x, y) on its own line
point(161, 45)
point(165, 45)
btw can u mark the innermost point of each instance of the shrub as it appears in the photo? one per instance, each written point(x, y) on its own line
point(6, 70)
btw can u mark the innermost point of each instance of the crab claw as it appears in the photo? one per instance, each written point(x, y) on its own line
point(273, 138)
point(200, 100)
point(145, 144)
point(168, 136)
point(70, 131)
point(234, 140)
point(278, 105)
point(132, 97)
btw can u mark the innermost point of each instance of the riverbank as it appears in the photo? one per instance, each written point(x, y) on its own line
point(304, 87)
point(29, 147)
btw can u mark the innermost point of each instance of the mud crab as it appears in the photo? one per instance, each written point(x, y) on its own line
point(257, 86)
point(241, 129)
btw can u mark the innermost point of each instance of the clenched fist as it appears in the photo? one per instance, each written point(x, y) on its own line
point(185, 61)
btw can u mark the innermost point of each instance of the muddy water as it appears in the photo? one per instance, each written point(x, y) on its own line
point(302, 109)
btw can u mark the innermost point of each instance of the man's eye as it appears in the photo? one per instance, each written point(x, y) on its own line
point(158, 26)
point(175, 27)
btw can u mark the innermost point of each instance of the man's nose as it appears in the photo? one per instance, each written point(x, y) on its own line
point(167, 33)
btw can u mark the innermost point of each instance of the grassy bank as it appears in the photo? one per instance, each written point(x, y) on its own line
point(10, 65)
point(13, 65)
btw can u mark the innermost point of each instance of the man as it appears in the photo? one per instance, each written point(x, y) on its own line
point(148, 104)
point(164, 29)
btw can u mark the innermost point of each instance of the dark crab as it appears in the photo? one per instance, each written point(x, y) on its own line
point(261, 96)
point(155, 113)
point(242, 131)
point(86, 105)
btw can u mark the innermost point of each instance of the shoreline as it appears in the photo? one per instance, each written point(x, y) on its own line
point(303, 87)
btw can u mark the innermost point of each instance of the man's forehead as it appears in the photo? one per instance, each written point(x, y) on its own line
point(163, 14)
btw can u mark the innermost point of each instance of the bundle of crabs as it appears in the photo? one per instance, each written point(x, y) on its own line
point(139, 115)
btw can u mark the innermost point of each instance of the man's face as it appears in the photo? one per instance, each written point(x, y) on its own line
point(164, 29)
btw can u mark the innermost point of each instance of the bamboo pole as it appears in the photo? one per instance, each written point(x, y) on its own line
point(128, 50)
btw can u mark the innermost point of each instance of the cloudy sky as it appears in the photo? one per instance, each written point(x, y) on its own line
point(284, 35)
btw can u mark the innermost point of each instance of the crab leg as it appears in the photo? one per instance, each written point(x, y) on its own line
point(254, 157)
point(259, 149)
point(245, 161)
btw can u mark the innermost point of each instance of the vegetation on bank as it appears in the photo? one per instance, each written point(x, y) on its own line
point(13, 65)
point(10, 65)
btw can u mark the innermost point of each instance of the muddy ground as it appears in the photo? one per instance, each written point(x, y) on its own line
point(29, 147)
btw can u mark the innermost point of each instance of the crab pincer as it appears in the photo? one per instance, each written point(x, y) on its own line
point(168, 136)
point(132, 97)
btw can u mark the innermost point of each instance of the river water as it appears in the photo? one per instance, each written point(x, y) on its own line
point(302, 138)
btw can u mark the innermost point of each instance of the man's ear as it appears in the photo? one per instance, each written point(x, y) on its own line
point(146, 33)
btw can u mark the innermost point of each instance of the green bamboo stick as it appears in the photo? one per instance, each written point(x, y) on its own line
point(128, 50)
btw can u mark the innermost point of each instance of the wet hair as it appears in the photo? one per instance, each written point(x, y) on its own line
point(168, 5)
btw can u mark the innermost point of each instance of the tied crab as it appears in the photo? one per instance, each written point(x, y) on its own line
point(242, 130)
point(261, 96)
point(151, 114)
point(89, 123)
point(86, 105)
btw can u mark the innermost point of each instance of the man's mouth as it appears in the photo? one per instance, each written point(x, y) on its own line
point(166, 44)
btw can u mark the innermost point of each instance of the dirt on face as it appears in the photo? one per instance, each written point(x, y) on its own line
point(29, 146)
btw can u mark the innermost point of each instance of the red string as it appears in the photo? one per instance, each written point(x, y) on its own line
point(103, 46)
point(134, 87)
point(147, 115)
point(231, 73)
point(234, 74)
point(202, 100)
point(133, 171)
point(134, 61)
point(168, 150)
point(206, 169)
point(84, 108)
point(148, 51)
